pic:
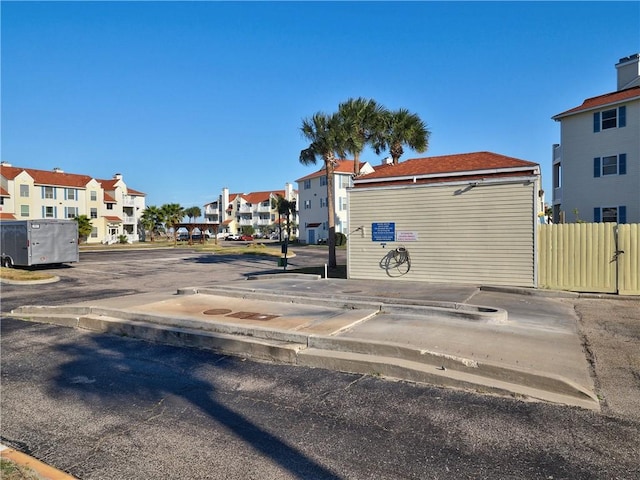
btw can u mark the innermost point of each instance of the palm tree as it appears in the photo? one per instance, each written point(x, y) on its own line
point(364, 121)
point(193, 212)
point(152, 219)
point(84, 227)
point(402, 128)
point(285, 208)
point(278, 204)
point(328, 138)
point(173, 214)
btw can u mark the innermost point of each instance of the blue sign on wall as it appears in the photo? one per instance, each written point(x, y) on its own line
point(383, 232)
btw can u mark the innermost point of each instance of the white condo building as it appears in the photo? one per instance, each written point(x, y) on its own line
point(596, 166)
point(312, 205)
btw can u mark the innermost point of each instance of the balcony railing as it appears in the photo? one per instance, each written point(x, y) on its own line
point(128, 201)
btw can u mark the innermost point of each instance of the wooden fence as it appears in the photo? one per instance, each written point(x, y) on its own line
point(590, 257)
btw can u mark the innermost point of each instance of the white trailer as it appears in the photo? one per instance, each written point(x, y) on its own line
point(38, 242)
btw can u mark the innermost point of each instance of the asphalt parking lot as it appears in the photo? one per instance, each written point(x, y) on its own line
point(467, 436)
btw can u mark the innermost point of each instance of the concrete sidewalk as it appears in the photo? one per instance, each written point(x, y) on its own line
point(499, 341)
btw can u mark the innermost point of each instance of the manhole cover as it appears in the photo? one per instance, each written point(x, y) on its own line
point(252, 316)
point(217, 311)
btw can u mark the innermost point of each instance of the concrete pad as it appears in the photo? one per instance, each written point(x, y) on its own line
point(436, 334)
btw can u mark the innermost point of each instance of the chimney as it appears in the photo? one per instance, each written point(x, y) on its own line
point(628, 72)
point(288, 191)
point(5, 164)
point(58, 170)
point(117, 176)
point(224, 203)
point(387, 161)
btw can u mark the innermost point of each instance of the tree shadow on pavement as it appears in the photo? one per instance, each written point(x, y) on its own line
point(109, 371)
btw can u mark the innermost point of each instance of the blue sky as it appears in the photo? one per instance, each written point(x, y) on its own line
point(184, 98)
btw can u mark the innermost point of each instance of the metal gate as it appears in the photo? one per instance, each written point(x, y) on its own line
point(590, 257)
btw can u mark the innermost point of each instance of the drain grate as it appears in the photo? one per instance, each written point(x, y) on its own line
point(217, 311)
point(252, 316)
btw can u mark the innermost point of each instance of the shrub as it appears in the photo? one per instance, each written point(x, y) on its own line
point(341, 239)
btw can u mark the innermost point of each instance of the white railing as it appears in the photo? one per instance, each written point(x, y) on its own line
point(128, 201)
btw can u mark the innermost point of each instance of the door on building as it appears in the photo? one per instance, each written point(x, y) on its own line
point(311, 237)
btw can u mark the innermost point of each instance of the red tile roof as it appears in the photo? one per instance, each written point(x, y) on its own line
point(113, 218)
point(258, 197)
point(602, 100)
point(4, 193)
point(59, 179)
point(131, 191)
point(7, 216)
point(471, 163)
point(108, 184)
point(47, 177)
point(109, 198)
point(343, 166)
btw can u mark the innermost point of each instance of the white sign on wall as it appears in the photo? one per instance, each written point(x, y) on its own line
point(402, 236)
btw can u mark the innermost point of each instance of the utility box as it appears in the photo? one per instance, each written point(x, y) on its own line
point(38, 242)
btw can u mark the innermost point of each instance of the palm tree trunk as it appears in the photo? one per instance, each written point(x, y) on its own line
point(331, 220)
point(356, 163)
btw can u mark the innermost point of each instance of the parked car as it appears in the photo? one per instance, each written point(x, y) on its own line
point(246, 238)
point(233, 237)
point(322, 241)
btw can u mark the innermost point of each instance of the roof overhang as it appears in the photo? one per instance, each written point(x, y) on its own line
point(452, 175)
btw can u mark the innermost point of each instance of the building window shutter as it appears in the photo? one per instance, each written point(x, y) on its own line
point(596, 167)
point(596, 122)
point(622, 214)
point(622, 116)
point(596, 215)
point(44, 212)
point(622, 164)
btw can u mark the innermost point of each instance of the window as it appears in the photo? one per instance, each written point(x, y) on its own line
point(71, 194)
point(342, 203)
point(323, 202)
point(610, 165)
point(610, 214)
point(109, 206)
point(557, 175)
point(323, 180)
point(612, 118)
point(307, 184)
point(94, 232)
point(48, 192)
point(94, 195)
point(24, 190)
point(94, 213)
point(345, 181)
point(71, 212)
point(49, 212)
point(307, 204)
point(24, 210)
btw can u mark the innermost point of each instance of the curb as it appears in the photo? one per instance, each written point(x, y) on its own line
point(319, 351)
point(30, 282)
point(43, 470)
